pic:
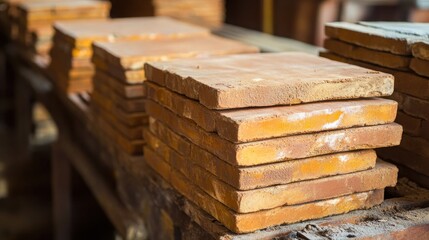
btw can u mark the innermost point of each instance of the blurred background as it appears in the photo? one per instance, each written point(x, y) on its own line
point(300, 20)
point(25, 188)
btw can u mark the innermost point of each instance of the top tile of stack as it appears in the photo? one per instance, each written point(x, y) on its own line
point(83, 33)
point(253, 80)
point(134, 54)
point(394, 37)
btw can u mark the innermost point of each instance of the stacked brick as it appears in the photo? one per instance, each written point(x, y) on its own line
point(400, 49)
point(118, 97)
point(73, 68)
point(256, 140)
point(30, 21)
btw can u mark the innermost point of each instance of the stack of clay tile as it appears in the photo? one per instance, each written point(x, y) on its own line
point(118, 94)
point(256, 140)
point(398, 49)
point(32, 19)
point(209, 13)
point(73, 69)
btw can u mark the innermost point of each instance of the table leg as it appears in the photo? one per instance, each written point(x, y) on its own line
point(62, 194)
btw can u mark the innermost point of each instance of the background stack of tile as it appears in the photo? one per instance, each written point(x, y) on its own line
point(209, 13)
point(32, 20)
point(73, 70)
point(218, 135)
point(9, 16)
point(394, 48)
point(118, 98)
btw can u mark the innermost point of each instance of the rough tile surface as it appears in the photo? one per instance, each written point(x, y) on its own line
point(82, 33)
point(134, 54)
point(267, 79)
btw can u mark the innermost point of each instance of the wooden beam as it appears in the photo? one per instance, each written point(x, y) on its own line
point(267, 16)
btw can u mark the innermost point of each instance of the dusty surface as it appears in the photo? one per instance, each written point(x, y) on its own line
point(251, 124)
point(134, 54)
point(390, 39)
point(83, 33)
point(383, 59)
point(267, 79)
point(280, 149)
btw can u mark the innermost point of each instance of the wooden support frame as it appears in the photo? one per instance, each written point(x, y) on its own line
point(66, 154)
